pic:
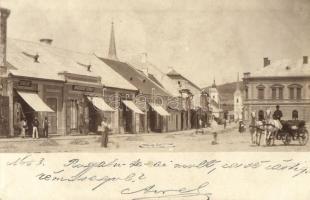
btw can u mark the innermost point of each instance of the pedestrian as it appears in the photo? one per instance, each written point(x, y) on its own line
point(35, 126)
point(224, 123)
point(104, 128)
point(23, 128)
point(45, 127)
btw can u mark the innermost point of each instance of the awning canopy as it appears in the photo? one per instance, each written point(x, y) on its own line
point(160, 110)
point(133, 107)
point(33, 100)
point(100, 104)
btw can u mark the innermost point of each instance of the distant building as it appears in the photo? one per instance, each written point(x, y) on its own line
point(238, 102)
point(215, 101)
point(285, 83)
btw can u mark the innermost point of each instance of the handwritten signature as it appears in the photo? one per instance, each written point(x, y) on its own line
point(152, 192)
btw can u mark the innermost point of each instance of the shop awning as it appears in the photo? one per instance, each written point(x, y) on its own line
point(160, 110)
point(133, 107)
point(100, 104)
point(33, 100)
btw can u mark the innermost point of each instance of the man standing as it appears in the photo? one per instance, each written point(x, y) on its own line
point(104, 129)
point(45, 127)
point(35, 126)
point(277, 115)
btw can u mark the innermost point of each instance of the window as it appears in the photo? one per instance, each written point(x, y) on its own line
point(277, 91)
point(295, 114)
point(261, 115)
point(298, 93)
point(291, 93)
point(280, 93)
point(246, 93)
point(274, 93)
point(295, 91)
point(260, 91)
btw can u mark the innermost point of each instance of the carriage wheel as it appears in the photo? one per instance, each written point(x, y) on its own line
point(303, 137)
point(286, 139)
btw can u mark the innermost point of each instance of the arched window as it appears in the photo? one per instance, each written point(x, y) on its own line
point(261, 115)
point(237, 100)
point(295, 115)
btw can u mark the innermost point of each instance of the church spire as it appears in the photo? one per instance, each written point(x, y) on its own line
point(214, 85)
point(237, 84)
point(112, 49)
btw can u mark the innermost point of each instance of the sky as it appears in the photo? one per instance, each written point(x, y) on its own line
point(202, 39)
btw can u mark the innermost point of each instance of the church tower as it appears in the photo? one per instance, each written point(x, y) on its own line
point(214, 93)
point(112, 48)
point(238, 104)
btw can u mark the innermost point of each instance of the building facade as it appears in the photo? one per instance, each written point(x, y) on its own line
point(285, 83)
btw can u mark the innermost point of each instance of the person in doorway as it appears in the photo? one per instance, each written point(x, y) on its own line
point(104, 129)
point(35, 127)
point(23, 128)
point(45, 127)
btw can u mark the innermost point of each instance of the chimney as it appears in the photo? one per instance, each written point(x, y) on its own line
point(4, 14)
point(266, 61)
point(305, 60)
point(145, 68)
point(46, 41)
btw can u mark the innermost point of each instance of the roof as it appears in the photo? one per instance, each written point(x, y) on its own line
point(173, 73)
point(53, 60)
point(283, 68)
point(138, 79)
point(159, 77)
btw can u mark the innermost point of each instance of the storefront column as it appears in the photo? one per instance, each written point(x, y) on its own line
point(11, 106)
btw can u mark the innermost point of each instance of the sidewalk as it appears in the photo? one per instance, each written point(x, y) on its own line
point(86, 137)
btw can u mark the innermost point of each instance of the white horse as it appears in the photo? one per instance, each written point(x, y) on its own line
point(256, 129)
point(272, 127)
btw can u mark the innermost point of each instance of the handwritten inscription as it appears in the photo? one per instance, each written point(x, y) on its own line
point(135, 183)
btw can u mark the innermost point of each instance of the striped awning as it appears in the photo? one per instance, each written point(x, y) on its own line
point(99, 103)
point(35, 102)
point(160, 110)
point(133, 107)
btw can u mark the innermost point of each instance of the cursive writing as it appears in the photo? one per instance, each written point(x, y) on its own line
point(152, 192)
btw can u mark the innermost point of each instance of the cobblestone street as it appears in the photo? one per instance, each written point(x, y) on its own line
point(185, 141)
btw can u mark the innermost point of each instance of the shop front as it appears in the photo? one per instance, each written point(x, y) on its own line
point(29, 103)
point(158, 118)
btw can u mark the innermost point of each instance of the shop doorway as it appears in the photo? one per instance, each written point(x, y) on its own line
point(52, 116)
point(127, 117)
point(4, 116)
point(74, 115)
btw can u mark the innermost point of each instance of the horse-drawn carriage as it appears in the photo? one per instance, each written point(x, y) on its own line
point(286, 130)
point(292, 130)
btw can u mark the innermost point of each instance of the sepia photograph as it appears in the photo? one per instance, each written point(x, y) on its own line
point(101, 76)
point(154, 99)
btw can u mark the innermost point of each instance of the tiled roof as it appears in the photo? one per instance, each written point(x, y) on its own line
point(138, 79)
point(283, 68)
point(52, 61)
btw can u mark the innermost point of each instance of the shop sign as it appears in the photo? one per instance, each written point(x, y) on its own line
point(83, 88)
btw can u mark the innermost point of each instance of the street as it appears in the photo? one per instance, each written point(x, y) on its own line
point(185, 141)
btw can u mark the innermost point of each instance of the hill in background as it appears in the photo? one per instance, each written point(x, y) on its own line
point(226, 92)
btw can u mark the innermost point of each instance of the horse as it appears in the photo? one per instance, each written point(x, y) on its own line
point(272, 127)
point(256, 129)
